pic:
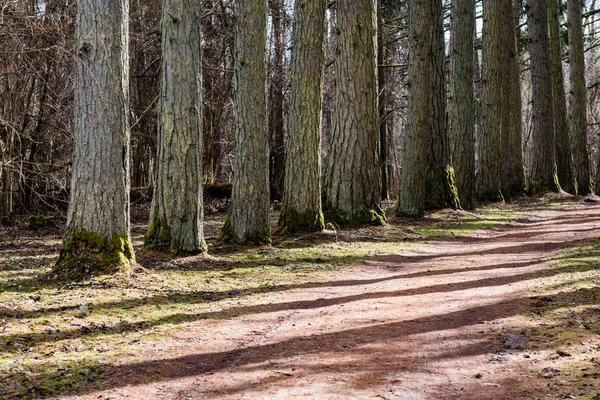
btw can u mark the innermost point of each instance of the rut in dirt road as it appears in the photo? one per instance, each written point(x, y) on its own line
point(426, 324)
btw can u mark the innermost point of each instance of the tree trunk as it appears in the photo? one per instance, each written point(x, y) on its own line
point(352, 187)
point(248, 217)
point(564, 157)
point(97, 239)
point(461, 104)
point(578, 102)
point(514, 177)
point(543, 157)
point(176, 216)
point(276, 103)
point(384, 125)
point(427, 179)
point(302, 190)
point(494, 101)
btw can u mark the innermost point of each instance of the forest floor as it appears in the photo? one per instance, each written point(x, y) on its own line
point(500, 303)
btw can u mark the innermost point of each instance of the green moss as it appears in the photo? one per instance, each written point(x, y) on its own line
point(158, 234)
point(8, 220)
point(451, 189)
point(441, 190)
point(538, 188)
point(84, 254)
point(494, 196)
point(292, 221)
point(41, 221)
point(374, 216)
point(227, 235)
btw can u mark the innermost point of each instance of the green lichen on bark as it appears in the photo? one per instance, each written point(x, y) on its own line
point(292, 221)
point(227, 235)
point(85, 254)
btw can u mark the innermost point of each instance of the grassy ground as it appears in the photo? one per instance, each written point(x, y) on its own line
point(55, 337)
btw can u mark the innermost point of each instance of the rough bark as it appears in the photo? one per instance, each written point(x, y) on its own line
point(276, 102)
point(564, 157)
point(543, 157)
point(302, 190)
point(176, 217)
point(97, 239)
point(248, 217)
point(461, 103)
point(427, 179)
point(352, 187)
point(578, 101)
point(494, 101)
point(515, 170)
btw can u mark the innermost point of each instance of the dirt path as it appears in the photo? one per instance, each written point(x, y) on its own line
point(441, 321)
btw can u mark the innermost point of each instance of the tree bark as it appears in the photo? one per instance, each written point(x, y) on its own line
point(427, 179)
point(97, 239)
point(302, 190)
point(564, 157)
point(543, 158)
point(578, 102)
point(248, 217)
point(276, 102)
point(177, 216)
point(461, 104)
point(514, 177)
point(352, 187)
point(494, 101)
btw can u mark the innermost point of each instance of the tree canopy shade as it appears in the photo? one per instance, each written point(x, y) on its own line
point(97, 239)
point(176, 217)
point(248, 217)
point(302, 190)
point(352, 185)
point(427, 178)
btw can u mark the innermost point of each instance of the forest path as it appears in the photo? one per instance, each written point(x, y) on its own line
point(441, 321)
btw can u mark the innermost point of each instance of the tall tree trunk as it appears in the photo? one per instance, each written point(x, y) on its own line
point(514, 178)
point(177, 217)
point(494, 101)
point(578, 101)
point(97, 239)
point(564, 157)
point(302, 190)
point(427, 179)
point(352, 188)
point(383, 102)
point(461, 104)
point(248, 217)
point(543, 158)
point(276, 103)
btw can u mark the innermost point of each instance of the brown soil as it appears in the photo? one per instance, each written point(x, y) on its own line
point(442, 321)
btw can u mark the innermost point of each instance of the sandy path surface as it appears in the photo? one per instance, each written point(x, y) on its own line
point(440, 321)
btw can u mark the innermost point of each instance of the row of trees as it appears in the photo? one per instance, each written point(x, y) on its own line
point(454, 152)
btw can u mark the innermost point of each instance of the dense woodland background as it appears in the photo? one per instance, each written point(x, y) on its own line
point(36, 88)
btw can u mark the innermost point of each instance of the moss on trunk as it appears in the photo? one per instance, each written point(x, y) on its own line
point(292, 221)
point(227, 235)
point(85, 254)
point(374, 216)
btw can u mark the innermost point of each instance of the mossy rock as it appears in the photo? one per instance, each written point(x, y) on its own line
point(37, 222)
point(84, 254)
point(8, 220)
